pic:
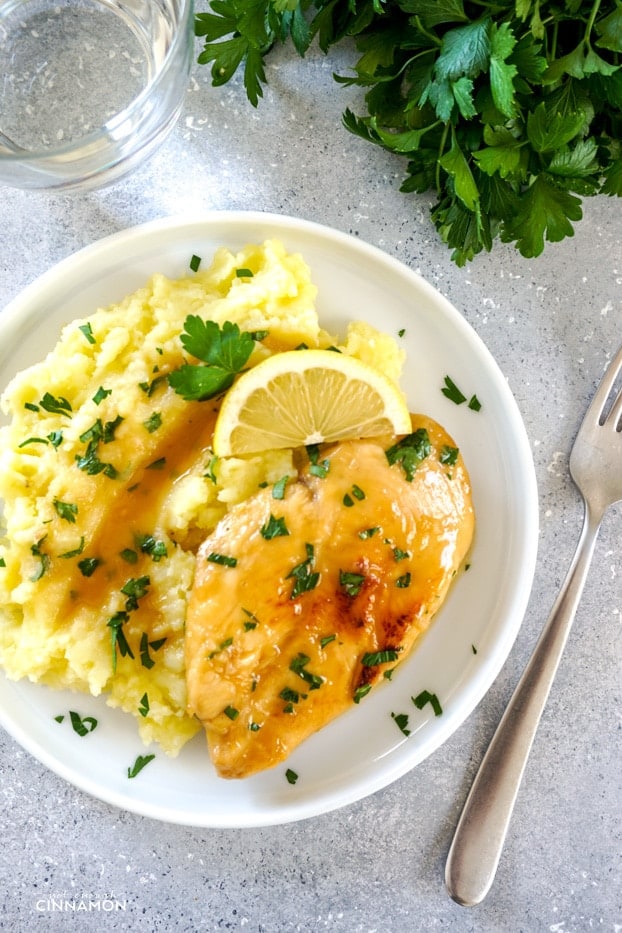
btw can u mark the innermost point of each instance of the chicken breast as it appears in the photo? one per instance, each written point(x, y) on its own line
point(305, 595)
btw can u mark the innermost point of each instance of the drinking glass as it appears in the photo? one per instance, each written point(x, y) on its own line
point(88, 88)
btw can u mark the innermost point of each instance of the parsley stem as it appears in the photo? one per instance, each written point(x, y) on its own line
point(425, 32)
point(590, 22)
point(441, 149)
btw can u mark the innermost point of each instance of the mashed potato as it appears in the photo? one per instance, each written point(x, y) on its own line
point(109, 483)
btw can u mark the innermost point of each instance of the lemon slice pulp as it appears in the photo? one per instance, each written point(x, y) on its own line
point(303, 397)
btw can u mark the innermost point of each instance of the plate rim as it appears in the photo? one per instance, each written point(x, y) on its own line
point(10, 317)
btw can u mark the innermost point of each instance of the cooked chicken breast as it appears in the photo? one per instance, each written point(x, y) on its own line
point(304, 596)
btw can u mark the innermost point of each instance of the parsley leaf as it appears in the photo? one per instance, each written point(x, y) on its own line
point(508, 112)
point(66, 510)
point(224, 351)
point(305, 578)
point(410, 451)
point(274, 528)
point(82, 725)
point(55, 405)
point(543, 212)
point(139, 764)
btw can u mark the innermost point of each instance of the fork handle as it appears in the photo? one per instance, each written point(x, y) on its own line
point(476, 848)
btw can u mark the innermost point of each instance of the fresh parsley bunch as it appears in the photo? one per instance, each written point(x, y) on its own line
point(510, 110)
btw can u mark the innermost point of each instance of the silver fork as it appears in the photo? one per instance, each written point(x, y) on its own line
point(596, 468)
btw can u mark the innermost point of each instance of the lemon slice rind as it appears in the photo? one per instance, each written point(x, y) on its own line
point(302, 397)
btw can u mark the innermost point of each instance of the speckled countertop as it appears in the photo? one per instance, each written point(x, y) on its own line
point(376, 865)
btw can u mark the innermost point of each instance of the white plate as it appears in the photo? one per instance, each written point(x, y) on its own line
point(363, 750)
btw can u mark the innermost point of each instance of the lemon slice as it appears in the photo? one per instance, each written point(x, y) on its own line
point(302, 397)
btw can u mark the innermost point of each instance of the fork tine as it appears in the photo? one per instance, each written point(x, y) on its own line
point(615, 415)
point(597, 405)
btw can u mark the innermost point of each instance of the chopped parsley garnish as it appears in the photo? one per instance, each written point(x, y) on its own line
point(56, 405)
point(451, 391)
point(153, 422)
point(305, 578)
point(254, 727)
point(33, 440)
point(152, 546)
point(2, 562)
point(401, 721)
point(351, 583)
point(357, 492)
point(211, 469)
point(299, 666)
point(244, 273)
point(87, 330)
point(410, 451)
point(128, 555)
point(318, 468)
point(404, 581)
point(139, 764)
point(101, 394)
point(88, 566)
point(117, 638)
point(109, 430)
point(223, 353)
point(361, 692)
point(135, 588)
point(278, 490)
point(291, 776)
point(143, 708)
point(76, 551)
point(399, 554)
point(158, 464)
point(274, 528)
point(44, 559)
point(290, 696)
point(251, 620)
point(55, 438)
point(66, 510)
point(145, 645)
point(231, 712)
point(449, 455)
point(372, 658)
point(98, 433)
point(145, 658)
point(224, 559)
point(327, 640)
point(195, 262)
point(426, 697)
point(150, 387)
point(91, 464)
point(368, 533)
point(82, 725)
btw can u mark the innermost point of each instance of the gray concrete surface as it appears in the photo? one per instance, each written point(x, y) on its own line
point(377, 865)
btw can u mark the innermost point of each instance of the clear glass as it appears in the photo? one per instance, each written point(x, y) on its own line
point(88, 88)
